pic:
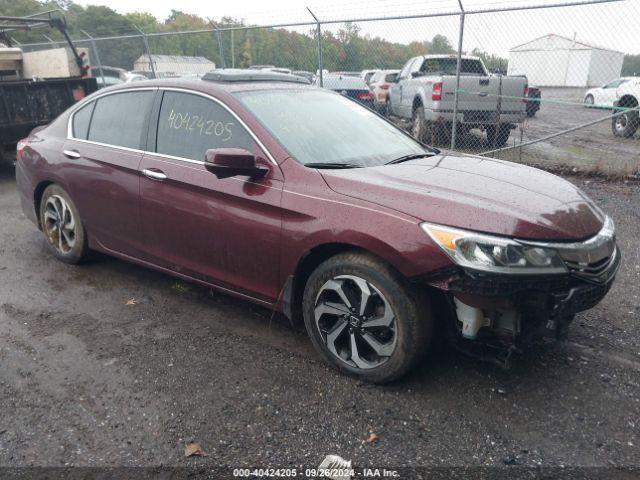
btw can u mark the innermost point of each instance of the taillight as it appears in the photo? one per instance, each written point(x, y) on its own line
point(20, 148)
point(78, 94)
point(365, 96)
point(436, 93)
point(525, 93)
point(384, 86)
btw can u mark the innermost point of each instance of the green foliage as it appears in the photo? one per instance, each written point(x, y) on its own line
point(346, 49)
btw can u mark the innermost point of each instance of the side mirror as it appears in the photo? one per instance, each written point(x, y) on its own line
point(229, 162)
point(417, 74)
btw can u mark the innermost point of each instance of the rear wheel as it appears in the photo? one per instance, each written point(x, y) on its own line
point(364, 319)
point(626, 125)
point(589, 101)
point(498, 137)
point(62, 227)
point(419, 125)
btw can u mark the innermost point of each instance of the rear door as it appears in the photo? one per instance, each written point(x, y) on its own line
point(105, 149)
point(222, 231)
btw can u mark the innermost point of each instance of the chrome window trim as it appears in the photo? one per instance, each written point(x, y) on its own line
point(171, 89)
point(92, 98)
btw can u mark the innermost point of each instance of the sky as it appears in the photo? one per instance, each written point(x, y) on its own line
point(612, 25)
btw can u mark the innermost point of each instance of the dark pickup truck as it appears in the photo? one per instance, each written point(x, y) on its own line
point(26, 104)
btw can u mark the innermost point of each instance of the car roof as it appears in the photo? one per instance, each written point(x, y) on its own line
point(215, 84)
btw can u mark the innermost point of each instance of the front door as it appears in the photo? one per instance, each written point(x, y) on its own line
point(222, 231)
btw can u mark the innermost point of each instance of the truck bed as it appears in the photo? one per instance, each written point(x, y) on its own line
point(26, 104)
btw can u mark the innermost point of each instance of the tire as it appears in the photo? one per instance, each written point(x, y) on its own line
point(419, 124)
point(498, 137)
point(589, 101)
point(391, 333)
point(626, 125)
point(57, 211)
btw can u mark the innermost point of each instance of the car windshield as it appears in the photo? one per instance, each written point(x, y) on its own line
point(321, 127)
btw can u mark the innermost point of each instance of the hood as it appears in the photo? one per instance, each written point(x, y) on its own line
point(476, 193)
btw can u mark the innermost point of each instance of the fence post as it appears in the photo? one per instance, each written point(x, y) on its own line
point(147, 50)
point(454, 123)
point(233, 54)
point(95, 52)
point(220, 47)
point(319, 35)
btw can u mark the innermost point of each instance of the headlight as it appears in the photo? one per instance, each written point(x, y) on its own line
point(494, 254)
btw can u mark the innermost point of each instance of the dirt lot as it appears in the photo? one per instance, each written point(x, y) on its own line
point(88, 380)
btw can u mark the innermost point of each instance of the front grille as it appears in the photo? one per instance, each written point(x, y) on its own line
point(598, 271)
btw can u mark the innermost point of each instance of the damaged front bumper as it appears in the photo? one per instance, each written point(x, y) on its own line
point(508, 311)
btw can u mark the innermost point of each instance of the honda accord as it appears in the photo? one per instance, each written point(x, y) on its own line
point(301, 200)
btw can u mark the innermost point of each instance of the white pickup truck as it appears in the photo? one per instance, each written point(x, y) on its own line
point(425, 90)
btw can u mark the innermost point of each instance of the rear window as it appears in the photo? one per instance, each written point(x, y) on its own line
point(119, 119)
point(448, 66)
point(81, 120)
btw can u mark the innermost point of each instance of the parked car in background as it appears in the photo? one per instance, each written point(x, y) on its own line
point(300, 200)
point(626, 125)
point(534, 101)
point(380, 83)
point(352, 87)
point(347, 74)
point(367, 74)
point(606, 95)
point(425, 92)
point(108, 76)
point(304, 74)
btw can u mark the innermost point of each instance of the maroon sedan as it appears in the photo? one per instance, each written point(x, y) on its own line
point(299, 199)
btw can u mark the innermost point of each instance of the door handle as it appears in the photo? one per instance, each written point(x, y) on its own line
point(71, 153)
point(154, 175)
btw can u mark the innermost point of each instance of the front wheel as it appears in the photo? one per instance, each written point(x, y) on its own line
point(365, 319)
point(498, 137)
point(62, 226)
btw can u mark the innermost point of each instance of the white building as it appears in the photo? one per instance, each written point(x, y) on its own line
point(557, 61)
point(174, 65)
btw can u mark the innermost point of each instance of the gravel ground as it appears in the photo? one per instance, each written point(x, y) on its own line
point(88, 380)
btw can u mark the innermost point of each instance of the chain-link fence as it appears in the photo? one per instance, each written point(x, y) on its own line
point(548, 84)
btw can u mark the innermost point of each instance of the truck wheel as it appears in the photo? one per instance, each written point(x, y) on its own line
point(419, 125)
point(498, 137)
point(62, 227)
point(439, 134)
point(365, 319)
point(625, 125)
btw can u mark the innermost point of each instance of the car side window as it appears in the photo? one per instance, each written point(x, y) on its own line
point(81, 120)
point(189, 125)
point(119, 119)
point(613, 84)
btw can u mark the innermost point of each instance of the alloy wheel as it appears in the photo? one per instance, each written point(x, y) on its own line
point(59, 224)
point(355, 321)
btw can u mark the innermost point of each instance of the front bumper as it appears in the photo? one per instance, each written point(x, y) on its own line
point(517, 308)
